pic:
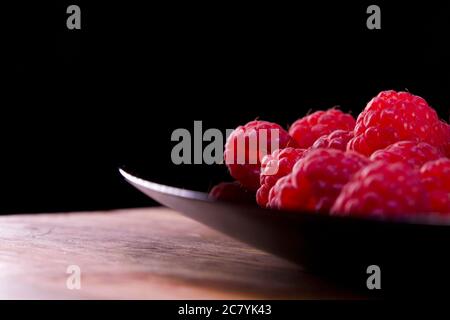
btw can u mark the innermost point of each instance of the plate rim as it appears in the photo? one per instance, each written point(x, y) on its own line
point(430, 219)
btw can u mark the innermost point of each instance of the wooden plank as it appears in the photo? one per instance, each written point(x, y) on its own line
point(150, 253)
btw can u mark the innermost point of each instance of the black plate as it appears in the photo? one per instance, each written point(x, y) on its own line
point(410, 253)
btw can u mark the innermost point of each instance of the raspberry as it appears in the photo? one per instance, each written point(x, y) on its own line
point(250, 138)
point(382, 189)
point(231, 191)
point(308, 129)
point(336, 140)
point(395, 116)
point(436, 179)
point(316, 180)
point(273, 167)
point(414, 153)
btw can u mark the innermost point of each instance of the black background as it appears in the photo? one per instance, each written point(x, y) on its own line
point(80, 103)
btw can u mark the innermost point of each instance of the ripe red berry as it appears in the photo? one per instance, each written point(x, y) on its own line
point(383, 189)
point(411, 152)
point(248, 144)
point(436, 179)
point(231, 191)
point(336, 140)
point(395, 116)
point(316, 180)
point(273, 167)
point(308, 129)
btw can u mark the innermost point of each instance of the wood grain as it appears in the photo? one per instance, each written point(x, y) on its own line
point(150, 253)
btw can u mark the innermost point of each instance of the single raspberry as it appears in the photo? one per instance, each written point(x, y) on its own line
point(414, 153)
point(308, 129)
point(382, 189)
point(316, 180)
point(338, 139)
point(248, 144)
point(232, 192)
point(436, 179)
point(273, 167)
point(395, 116)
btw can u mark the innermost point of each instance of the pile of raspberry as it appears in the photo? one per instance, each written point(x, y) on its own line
point(391, 162)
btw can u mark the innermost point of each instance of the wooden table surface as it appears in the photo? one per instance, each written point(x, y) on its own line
point(152, 253)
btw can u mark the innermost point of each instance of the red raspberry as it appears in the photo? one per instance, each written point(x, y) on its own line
point(395, 116)
point(436, 179)
point(382, 189)
point(231, 191)
point(336, 140)
point(414, 153)
point(247, 142)
point(273, 167)
point(308, 129)
point(316, 180)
